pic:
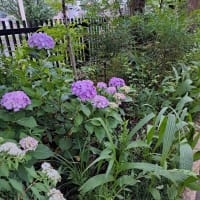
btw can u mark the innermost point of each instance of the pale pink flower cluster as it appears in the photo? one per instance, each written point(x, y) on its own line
point(28, 143)
point(55, 194)
point(51, 173)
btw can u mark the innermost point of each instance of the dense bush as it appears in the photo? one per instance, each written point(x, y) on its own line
point(102, 137)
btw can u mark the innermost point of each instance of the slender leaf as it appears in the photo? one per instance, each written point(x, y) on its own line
point(96, 181)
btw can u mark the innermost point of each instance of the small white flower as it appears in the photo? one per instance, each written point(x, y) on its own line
point(55, 194)
point(11, 149)
point(46, 165)
point(50, 172)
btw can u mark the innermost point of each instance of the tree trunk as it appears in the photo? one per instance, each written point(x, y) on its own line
point(136, 6)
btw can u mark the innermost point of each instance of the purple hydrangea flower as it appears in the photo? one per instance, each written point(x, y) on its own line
point(41, 41)
point(101, 85)
point(100, 101)
point(111, 90)
point(28, 143)
point(84, 89)
point(15, 100)
point(116, 82)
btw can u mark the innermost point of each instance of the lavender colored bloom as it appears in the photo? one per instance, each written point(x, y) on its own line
point(84, 89)
point(116, 82)
point(100, 101)
point(28, 143)
point(111, 90)
point(101, 85)
point(15, 100)
point(41, 41)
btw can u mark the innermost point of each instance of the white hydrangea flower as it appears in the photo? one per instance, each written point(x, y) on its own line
point(50, 172)
point(126, 89)
point(55, 194)
point(46, 165)
point(11, 149)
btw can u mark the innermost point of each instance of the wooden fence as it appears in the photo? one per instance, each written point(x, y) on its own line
point(14, 33)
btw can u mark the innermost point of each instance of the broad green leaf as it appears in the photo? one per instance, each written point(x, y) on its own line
point(140, 124)
point(65, 143)
point(186, 156)
point(100, 133)
point(42, 152)
point(96, 181)
point(169, 136)
point(85, 110)
point(136, 144)
point(27, 122)
point(4, 185)
point(16, 185)
point(126, 180)
point(161, 132)
point(150, 133)
point(171, 192)
point(4, 170)
point(78, 119)
point(186, 99)
point(155, 193)
point(194, 186)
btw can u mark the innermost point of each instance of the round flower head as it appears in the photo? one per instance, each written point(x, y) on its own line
point(51, 173)
point(28, 143)
point(101, 85)
point(11, 149)
point(84, 89)
point(55, 194)
point(46, 166)
point(113, 105)
point(126, 89)
point(119, 96)
point(116, 82)
point(100, 101)
point(111, 90)
point(41, 41)
point(15, 100)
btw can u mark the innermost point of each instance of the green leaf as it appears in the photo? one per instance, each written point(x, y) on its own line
point(136, 144)
point(186, 156)
point(42, 152)
point(126, 180)
point(140, 124)
point(100, 133)
point(96, 181)
point(27, 122)
point(169, 136)
point(65, 143)
point(196, 156)
point(78, 119)
point(186, 99)
point(16, 185)
point(85, 110)
point(4, 170)
point(194, 186)
point(155, 193)
point(4, 185)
